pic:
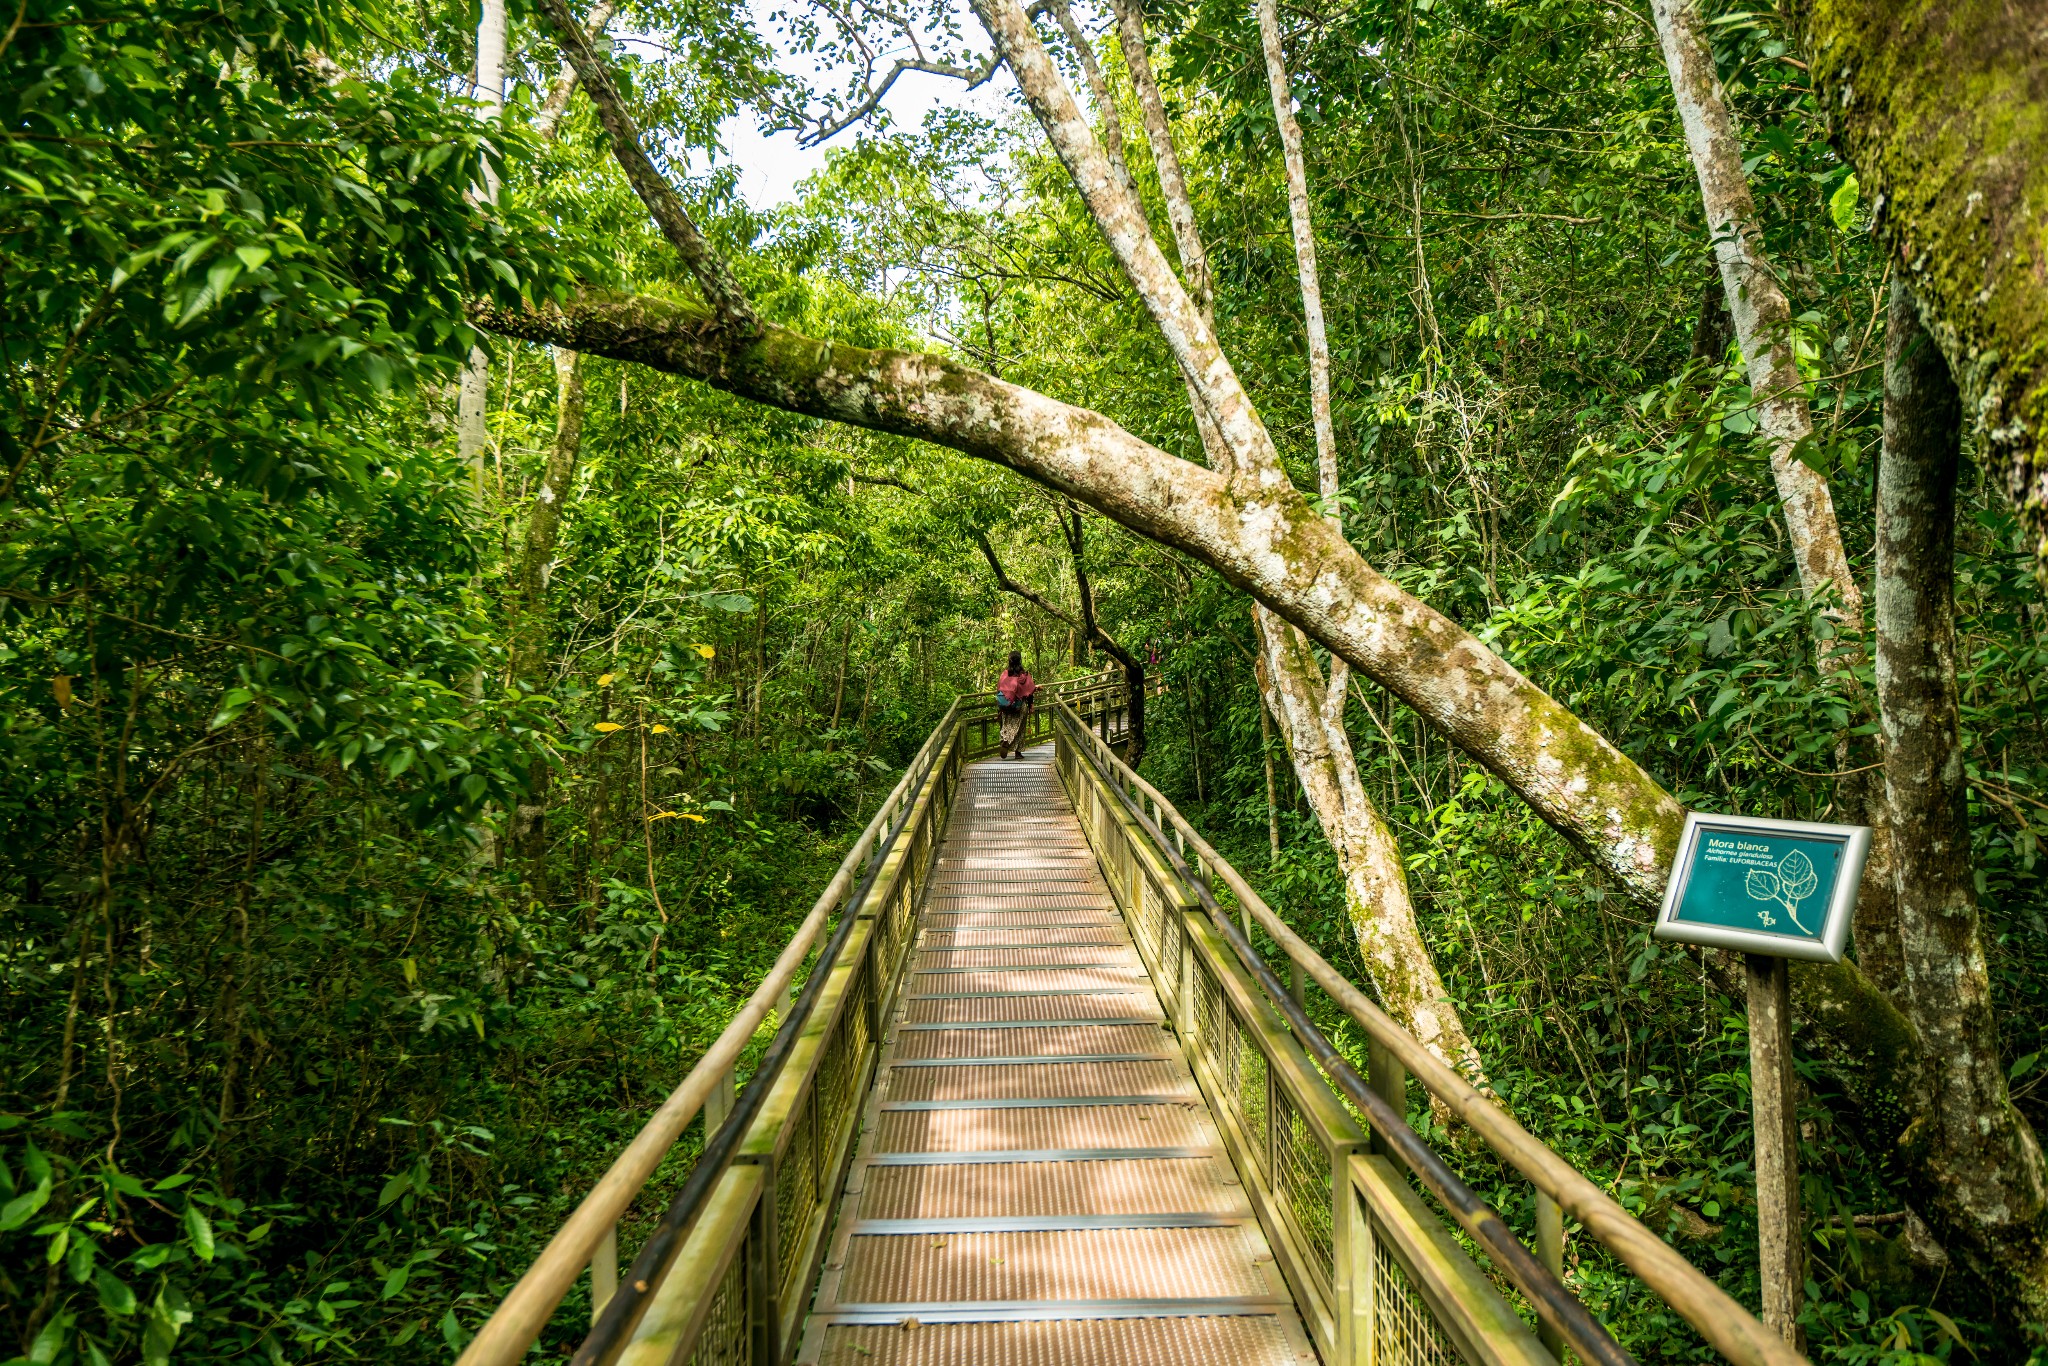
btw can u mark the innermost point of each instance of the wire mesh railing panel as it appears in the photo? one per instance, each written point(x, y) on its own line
point(1208, 1016)
point(1404, 1331)
point(1164, 935)
point(843, 1062)
point(1301, 1176)
point(727, 1336)
point(1248, 1084)
point(796, 1192)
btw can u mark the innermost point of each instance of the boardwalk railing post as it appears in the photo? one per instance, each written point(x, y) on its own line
point(604, 1272)
point(1357, 1257)
point(1386, 1076)
point(1550, 1251)
point(718, 1104)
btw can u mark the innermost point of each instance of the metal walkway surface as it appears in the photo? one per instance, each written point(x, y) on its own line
point(1039, 1181)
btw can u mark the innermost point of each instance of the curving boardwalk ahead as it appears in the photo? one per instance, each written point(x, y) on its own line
point(1039, 1182)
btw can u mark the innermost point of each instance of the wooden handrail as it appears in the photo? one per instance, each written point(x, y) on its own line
point(519, 1318)
point(1732, 1330)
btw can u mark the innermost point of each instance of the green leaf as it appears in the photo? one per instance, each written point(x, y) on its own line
point(1842, 203)
point(200, 1230)
point(22, 1208)
point(167, 1316)
point(1948, 1325)
point(2023, 1066)
point(451, 1331)
point(115, 1296)
point(395, 1187)
point(50, 1341)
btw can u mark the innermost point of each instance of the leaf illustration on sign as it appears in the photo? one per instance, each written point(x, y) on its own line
point(1793, 882)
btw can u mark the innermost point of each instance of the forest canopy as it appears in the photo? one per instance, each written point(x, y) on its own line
point(467, 575)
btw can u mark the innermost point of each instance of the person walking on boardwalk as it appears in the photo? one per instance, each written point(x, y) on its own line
point(1015, 692)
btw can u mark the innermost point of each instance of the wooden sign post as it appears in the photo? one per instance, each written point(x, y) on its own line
point(1774, 890)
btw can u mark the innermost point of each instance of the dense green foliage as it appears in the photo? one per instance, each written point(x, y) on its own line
point(302, 1056)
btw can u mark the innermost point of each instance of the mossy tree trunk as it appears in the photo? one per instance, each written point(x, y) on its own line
point(1975, 1165)
point(1942, 108)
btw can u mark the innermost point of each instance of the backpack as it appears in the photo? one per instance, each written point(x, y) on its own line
point(1014, 691)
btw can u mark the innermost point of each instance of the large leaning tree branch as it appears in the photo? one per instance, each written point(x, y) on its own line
point(1942, 107)
point(1273, 544)
point(1254, 529)
point(1267, 540)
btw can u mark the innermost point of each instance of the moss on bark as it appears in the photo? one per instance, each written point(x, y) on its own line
point(1942, 107)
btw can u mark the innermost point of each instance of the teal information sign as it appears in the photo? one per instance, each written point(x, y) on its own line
point(1784, 888)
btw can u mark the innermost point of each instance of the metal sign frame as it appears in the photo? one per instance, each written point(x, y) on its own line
point(1825, 947)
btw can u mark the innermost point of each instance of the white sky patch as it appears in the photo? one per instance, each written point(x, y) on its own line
point(772, 165)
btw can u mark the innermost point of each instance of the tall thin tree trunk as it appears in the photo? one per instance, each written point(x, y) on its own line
point(530, 639)
point(1272, 805)
point(1280, 88)
point(1308, 707)
point(1763, 315)
point(544, 521)
point(549, 115)
point(487, 86)
point(1763, 326)
point(1977, 1168)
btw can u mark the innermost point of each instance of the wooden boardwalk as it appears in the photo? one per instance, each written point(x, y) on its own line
point(1039, 1182)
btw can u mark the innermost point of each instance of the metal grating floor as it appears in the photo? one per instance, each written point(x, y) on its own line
point(1039, 1182)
